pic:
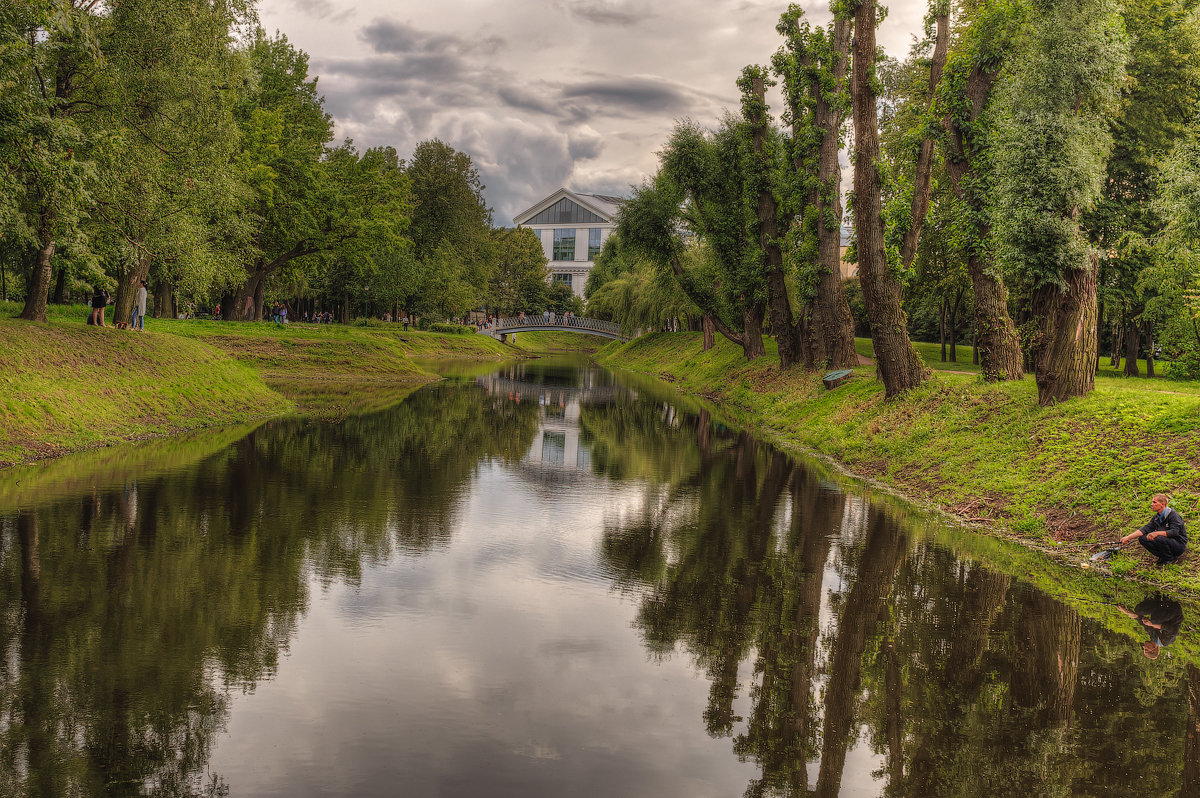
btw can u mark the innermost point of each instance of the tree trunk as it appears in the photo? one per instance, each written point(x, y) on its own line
point(60, 286)
point(1133, 338)
point(1065, 354)
point(832, 317)
point(710, 337)
point(1149, 350)
point(899, 365)
point(1117, 340)
point(39, 280)
point(783, 325)
point(163, 304)
point(954, 326)
point(942, 327)
point(975, 342)
point(923, 181)
point(752, 344)
point(127, 286)
point(1000, 355)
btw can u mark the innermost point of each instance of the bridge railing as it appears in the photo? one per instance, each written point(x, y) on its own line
point(557, 322)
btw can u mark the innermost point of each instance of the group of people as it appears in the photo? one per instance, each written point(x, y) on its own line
point(101, 299)
point(279, 312)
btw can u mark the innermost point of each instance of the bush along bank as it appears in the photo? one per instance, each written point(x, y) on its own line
point(1060, 479)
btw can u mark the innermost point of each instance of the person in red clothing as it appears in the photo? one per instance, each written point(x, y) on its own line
point(1165, 536)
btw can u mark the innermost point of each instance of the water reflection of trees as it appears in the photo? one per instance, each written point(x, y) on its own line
point(951, 678)
point(128, 611)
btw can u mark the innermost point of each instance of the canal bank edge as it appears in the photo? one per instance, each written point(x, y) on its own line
point(69, 387)
point(1057, 480)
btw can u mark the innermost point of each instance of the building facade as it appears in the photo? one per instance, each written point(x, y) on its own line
point(572, 227)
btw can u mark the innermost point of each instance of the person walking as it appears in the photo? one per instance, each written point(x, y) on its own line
point(1164, 536)
point(138, 320)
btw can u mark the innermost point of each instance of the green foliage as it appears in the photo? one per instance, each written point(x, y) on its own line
point(641, 296)
point(1054, 136)
point(520, 272)
point(46, 168)
point(452, 329)
point(561, 299)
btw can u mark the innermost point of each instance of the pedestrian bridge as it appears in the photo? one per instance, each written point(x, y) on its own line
point(515, 324)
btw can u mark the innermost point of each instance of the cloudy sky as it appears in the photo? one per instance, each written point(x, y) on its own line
point(540, 93)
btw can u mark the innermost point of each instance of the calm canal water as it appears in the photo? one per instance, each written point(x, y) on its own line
point(543, 581)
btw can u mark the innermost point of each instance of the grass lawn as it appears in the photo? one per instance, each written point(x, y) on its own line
point(66, 385)
point(1107, 375)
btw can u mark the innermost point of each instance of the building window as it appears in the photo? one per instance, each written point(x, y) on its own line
point(563, 278)
point(566, 212)
point(593, 243)
point(564, 244)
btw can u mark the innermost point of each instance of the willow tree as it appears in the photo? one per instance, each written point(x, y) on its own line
point(701, 188)
point(1054, 141)
point(972, 71)
point(898, 362)
point(759, 154)
point(812, 65)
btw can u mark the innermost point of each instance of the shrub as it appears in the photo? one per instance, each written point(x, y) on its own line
point(451, 329)
point(1185, 362)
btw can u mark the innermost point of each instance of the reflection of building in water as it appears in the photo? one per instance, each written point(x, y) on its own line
point(557, 446)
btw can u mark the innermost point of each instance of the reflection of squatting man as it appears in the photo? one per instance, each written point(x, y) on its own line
point(1165, 536)
point(1161, 617)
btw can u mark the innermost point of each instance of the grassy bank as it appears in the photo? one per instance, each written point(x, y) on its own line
point(67, 386)
point(1057, 478)
point(75, 387)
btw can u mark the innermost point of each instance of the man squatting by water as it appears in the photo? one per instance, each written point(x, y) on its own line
point(1165, 536)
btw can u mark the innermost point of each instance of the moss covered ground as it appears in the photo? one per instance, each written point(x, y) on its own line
point(1059, 479)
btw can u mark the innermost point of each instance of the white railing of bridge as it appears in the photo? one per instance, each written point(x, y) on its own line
point(556, 322)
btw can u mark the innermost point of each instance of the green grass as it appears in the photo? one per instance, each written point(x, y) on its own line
point(554, 341)
point(932, 355)
point(66, 386)
point(1076, 473)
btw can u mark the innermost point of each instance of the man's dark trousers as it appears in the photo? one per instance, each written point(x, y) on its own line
point(1165, 548)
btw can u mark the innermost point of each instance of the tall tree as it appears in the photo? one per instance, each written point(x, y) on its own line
point(971, 74)
point(518, 281)
point(167, 108)
point(292, 207)
point(898, 362)
point(46, 49)
point(759, 154)
point(450, 215)
point(1053, 148)
point(813, 64)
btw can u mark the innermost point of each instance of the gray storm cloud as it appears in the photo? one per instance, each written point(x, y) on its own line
point(577, 93)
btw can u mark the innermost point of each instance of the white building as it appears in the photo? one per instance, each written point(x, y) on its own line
point(573, 228)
